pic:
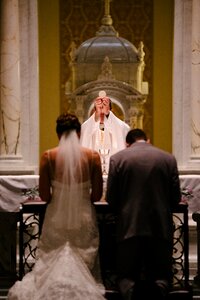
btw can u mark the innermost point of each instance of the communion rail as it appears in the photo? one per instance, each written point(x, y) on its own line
point(27, 223)
point(196, 218)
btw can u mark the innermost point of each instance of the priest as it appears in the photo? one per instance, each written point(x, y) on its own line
point(103, 131)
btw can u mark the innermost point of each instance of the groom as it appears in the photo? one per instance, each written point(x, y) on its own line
point(143, 189)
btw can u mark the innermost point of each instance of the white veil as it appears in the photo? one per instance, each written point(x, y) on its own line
point(69, 180)
point(68, 160)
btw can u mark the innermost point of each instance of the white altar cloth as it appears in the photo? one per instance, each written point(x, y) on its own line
point(192, 182)
point(17, 189)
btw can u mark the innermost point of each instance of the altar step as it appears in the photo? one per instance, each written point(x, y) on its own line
point(115, 296)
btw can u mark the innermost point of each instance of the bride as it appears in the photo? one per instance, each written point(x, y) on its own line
point(67, 265)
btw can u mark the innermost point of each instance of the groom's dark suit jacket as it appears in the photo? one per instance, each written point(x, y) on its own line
point(143, 189)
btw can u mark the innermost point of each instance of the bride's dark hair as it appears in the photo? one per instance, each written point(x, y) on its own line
point(67, 122)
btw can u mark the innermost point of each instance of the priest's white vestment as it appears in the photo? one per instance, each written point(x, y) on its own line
point(113, 137)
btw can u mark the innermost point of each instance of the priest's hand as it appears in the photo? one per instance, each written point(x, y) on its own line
point(102, 108)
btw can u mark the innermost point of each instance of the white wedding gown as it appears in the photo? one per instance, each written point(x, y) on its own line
point(67, 265)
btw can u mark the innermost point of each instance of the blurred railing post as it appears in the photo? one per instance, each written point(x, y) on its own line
point(196, 218)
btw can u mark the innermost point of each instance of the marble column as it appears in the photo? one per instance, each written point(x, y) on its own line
point(186, 87)
point(195, 75)
point(19, 103)
point(10, 79)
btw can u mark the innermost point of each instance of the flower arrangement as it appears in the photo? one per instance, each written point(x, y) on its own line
point(186, 195)
point(31, 194)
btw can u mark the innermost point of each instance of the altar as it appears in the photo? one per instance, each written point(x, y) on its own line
point(191, 183)
point(17, 189)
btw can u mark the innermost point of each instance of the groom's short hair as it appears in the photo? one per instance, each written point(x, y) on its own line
point(134, 135)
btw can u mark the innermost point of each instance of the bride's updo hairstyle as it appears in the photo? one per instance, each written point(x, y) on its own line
point(67, 122)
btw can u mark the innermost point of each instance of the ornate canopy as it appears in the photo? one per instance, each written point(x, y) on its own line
point(111, 63)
